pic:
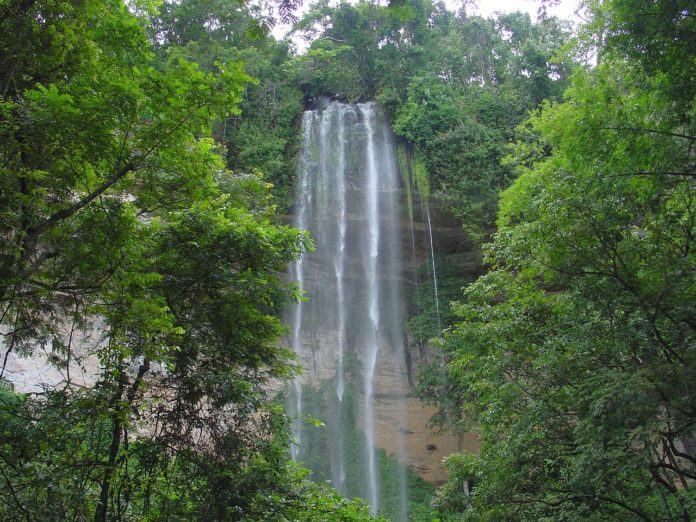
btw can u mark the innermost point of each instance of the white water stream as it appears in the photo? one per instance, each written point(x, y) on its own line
point(350, 330)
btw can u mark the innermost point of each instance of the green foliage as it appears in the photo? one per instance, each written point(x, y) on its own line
point(404, 160)
point(455, 86)
point(461, 108)
point(263, 137)
point(453, 273)
point(658, 35)
point(341, 60)
point(571, 356)
point(54, 476)
point(118, 215)
point(328, 68)
point(260, 136)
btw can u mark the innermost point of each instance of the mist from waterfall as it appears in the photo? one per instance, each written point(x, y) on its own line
point(351, 327)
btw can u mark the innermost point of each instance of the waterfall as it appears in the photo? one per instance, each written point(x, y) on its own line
point(350, 330)
point(433, 275)
point(338, 465)
point(373, 291)
point(434, 271)
point(304, 200)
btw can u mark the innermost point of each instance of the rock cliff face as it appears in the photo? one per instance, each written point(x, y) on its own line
point(428, 447)
point(350, 336)
point(31, 374)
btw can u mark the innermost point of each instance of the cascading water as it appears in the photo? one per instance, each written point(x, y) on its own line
point(432, 270)
point(373, 291)
point(339, 475)
point(351, 327)
point(297, 273)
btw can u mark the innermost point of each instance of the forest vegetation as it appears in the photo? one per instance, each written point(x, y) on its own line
point(147, 162)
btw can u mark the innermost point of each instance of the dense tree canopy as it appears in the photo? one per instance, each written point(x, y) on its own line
point(120, 221)
point(574, 355)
